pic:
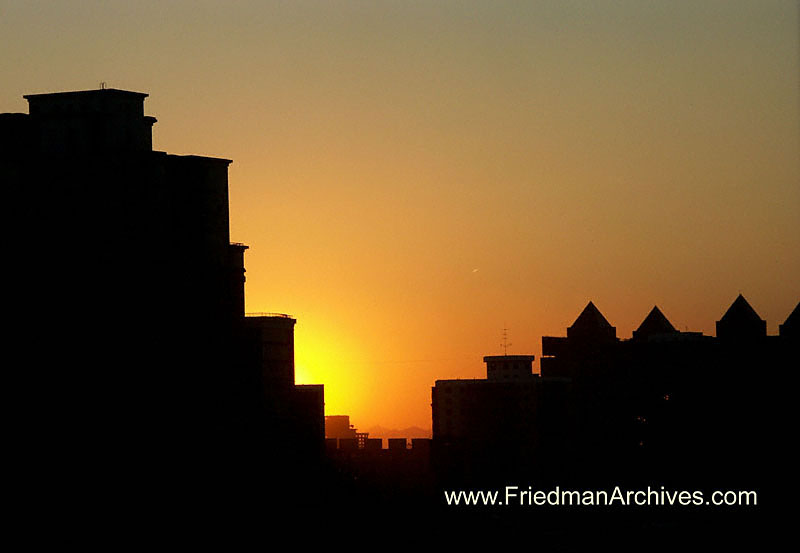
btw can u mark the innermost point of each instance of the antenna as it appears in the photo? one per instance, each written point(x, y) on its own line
point(505, 343)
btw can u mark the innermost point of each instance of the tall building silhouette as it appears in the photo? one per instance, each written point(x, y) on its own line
point(138, 371)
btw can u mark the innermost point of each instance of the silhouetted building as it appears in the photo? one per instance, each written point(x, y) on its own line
point(307, 419)
point(588, 347)
point(134, 252)
point(495, 424)
point(591, 325)
point(128, 310)
point(338, 426)
point(381, 481)
point(508, 368)
point(654, 326)
point(790, 328)
point(361, 438)
point(271, 338)
point(91, 122)
point(397, 443)
point(676, 406)
point(741, 322)
point(482, 410)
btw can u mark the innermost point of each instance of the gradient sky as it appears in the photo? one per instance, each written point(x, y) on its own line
point(412, 177)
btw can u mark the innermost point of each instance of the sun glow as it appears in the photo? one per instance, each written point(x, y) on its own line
point(325, 357)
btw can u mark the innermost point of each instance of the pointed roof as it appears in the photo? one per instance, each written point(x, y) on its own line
point(792, 319)
point(790, 325)
point(591, 317)
point(591, 324)
point(740, 312)
point(741, 321)
point(87, 93)
point(654, 323)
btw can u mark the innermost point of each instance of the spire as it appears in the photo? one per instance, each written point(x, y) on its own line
point(655, 323)
point(591, 324)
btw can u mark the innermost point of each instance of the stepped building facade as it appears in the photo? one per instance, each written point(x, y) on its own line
point(137, 367)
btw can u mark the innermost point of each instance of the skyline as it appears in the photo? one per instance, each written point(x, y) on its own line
point(412, 179)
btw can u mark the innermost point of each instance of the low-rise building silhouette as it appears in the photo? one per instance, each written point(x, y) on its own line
point(495, 424)
point(667, 404)
point(339, 427)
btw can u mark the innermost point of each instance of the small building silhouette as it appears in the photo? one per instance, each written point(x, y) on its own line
point(506, 368)
point(339, 427)
point(495, 424)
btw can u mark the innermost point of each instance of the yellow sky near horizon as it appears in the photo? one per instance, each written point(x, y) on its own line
point(413, 177)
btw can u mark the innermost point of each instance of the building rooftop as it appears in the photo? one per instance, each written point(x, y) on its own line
point(793, 316)
point(591, 324)
point(740, 311)
point(270, 315)
point(87, 93)
point(789, 326)
point(509, 358)
point(654, 323)
point(591, 317)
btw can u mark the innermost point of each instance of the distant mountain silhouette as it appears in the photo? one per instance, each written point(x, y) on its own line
point(410, 432)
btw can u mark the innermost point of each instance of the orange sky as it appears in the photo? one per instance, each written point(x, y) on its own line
point(412, 177)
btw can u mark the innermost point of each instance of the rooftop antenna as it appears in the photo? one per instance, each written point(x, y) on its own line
point(505, 343)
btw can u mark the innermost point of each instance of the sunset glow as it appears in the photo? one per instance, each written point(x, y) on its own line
point(413, 177)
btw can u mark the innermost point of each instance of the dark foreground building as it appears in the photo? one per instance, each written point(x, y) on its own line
point(139, 384)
